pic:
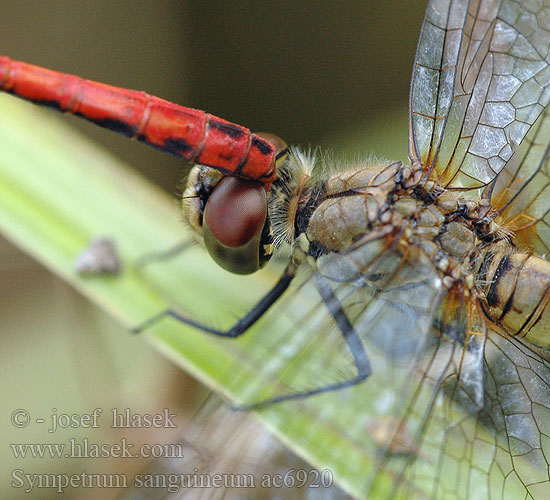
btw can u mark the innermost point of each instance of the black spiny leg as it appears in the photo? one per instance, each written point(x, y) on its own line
point(360, 358)
point(334, 307)
point(241, 325)
point(153, 257)
point(353, 340)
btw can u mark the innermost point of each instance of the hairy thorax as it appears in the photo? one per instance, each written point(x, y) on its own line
point(356, 218)
point(375, 204)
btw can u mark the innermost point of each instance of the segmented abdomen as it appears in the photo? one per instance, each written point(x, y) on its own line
point(517, 292)
point(190, 133)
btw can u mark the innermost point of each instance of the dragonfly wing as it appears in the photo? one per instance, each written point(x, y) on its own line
point(454, 409)
point(476, 423)
point(518, 406)
point(521, 195)
point(480, 81)
point(381, 300)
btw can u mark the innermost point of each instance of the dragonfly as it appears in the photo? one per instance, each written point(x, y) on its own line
point(432, 276)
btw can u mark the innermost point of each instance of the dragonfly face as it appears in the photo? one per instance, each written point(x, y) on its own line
point(230, 216)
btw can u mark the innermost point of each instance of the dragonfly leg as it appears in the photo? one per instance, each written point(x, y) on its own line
point(360, 358)
point(152, 257)
point(334, 307)
point(353, 340)
point(243, 324)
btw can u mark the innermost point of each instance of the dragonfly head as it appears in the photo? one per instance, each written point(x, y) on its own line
point(230, 216)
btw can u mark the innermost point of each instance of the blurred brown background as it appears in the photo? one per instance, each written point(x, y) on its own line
point(312, 72)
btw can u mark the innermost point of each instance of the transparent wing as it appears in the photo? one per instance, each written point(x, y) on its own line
point(227, 455)
point(451, 410)
point(298, 346)
point(480, 81)
point(382, 294)
point(521, 195)
point(479, 418)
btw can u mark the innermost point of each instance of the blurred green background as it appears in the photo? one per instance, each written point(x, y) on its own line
point(316, 73)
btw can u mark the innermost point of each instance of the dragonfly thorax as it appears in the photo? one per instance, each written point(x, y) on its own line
point(342, 222)
point(338, 220)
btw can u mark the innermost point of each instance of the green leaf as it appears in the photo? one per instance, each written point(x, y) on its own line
point(58, 192)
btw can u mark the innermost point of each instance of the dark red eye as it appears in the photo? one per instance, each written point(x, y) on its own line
point(236, 211)
point(233, 225)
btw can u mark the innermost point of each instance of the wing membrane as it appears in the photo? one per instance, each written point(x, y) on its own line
point(481, 405)
point(480, 81)
point(389, 299)
point(521, 194)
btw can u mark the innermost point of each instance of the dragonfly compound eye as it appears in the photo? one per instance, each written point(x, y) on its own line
point(236, 225)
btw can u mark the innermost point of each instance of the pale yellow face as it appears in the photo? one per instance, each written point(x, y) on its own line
point(203, 179)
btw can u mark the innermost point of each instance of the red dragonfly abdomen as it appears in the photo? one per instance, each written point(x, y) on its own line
point(192, 134)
